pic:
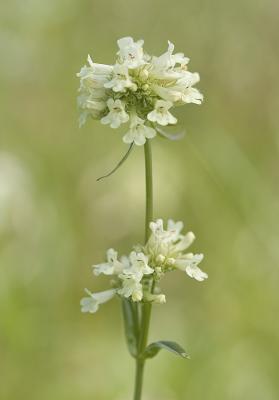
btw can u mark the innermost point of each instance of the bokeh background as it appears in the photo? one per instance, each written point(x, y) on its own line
point(56, 220)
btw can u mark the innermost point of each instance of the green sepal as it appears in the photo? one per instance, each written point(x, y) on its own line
point(153, 349)
point(130, 315)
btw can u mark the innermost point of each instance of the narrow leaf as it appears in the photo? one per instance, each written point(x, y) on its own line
point(123, 159)
point(130, 326)
point(171, 136)
point(153, 349)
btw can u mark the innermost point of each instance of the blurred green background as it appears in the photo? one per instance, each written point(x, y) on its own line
point(56, 220)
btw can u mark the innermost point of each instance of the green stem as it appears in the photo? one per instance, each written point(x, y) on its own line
point(148, 188)
point(145, 307)
point(139, 379)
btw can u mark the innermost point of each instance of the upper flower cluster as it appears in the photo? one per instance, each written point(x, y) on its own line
point(137, 276)
point(138, 88)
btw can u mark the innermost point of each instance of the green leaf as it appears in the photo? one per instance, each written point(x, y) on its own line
point(123, 159)
point(130, 314)
point(153, 349)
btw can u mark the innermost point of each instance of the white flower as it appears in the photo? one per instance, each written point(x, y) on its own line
point(138, 132)
point(161, 113)
point(91, 106)
point(113, 266)
point(175, 228)
point(189, 264)
point(94, 104)
point(196, 273)
point(121, 79)
point(192, 95)
point(138, 266)
point(94, 76)
point(188, 79)
point(91, 303)
point(185, 242)
point(99, 69)
point(132, 85)
point(130, 52)
point(117, 114)
point(172, 93)
point(166, 249)
point(131, 287)
point(157, 227)
point(165, 236)
point(182, 91)
point(163, 66)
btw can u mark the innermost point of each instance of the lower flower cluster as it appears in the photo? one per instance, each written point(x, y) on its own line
point(137, 276)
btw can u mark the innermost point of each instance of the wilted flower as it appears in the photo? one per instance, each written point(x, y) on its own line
point(139, 88)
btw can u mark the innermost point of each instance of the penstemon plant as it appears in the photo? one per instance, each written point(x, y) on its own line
point(141, 89)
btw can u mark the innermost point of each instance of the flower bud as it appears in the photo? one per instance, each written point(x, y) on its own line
point(160, 258)
point(170, 261)
point(137, 295)
point(143, 74)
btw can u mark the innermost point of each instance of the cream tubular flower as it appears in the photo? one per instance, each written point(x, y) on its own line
point(166, 249)
point(172, 94)
point(163, 66)
point(188, 93)
point(188, 79)
point(130, 52)
point(189, 264)
point(161, 113)
point(139, 87)
point(131, 287)
point(157, 227)
point(192, 95)
point(196, 273)
point(175, 228)
point(93, 102)
point(185, 242)
point(99, 69)
point(121, 80)
point(138, 132)
point(91, 105)
point(95, 75)
point(165, 236)
point(91, 303)
point(112, 267)
point(138, 266)
point(117, 114)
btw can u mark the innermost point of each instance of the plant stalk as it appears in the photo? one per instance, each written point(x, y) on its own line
point(148, 188)
point(145, 307)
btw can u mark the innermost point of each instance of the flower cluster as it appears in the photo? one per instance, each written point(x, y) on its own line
point(138, 88)
point(136, 277)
